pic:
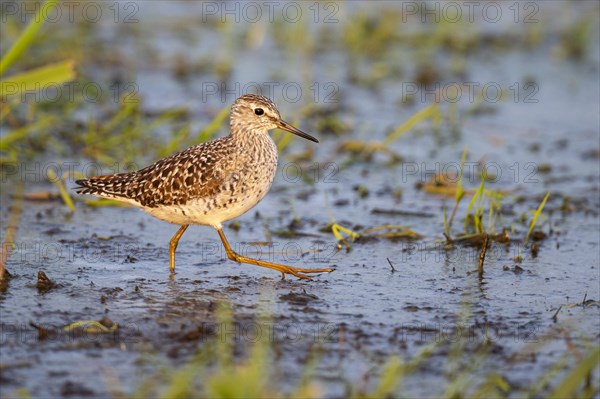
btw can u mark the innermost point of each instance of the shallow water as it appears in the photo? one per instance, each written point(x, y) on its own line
point(113, 262)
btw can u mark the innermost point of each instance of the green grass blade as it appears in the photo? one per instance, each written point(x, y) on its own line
point(458, 196)
point(14, 136)
point(577, 377)
point(390, 231)
point(282, 140)
point(537, 214)
point(26, 38)
point(446, 225)
point(34, 80)
point(336, 229)
point(490, 226)
point(460, 192)
point(174, 145)
point(213, 127)
point(66, 197)
point(551, 374)
point(125, 113)
point(389, 379)
point(477, 194)
point(104, 202)
point(430, 112)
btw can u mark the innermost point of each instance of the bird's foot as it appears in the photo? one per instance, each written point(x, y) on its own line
point(301, 273)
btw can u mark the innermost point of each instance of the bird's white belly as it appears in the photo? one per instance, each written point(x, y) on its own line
point(211, 211)
point(190, 214)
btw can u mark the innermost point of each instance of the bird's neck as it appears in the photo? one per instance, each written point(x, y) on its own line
point(244, 134)
point(254, 142)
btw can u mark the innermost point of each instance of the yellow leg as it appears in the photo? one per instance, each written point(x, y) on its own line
point(283, 269)
point(173, 246)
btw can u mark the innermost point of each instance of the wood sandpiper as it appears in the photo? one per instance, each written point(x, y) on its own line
point(209, 183)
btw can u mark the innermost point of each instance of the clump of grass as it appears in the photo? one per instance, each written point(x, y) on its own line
point(51, 126)
point(32, 80)
point(384, 231)
point(24, 41)
point(474, 216)
point(388, 231)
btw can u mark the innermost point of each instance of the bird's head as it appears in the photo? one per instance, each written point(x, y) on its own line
point(254, 113)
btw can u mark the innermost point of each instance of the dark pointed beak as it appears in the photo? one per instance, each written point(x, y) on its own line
point(283, 125)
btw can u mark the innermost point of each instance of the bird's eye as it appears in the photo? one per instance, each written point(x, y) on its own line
point(259, 111)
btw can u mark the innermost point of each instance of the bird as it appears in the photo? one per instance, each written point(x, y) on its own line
point(209, 183)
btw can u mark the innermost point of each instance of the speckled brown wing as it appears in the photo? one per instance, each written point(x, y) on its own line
point(193, 173)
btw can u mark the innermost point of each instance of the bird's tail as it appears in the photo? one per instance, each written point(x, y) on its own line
point(110, 186)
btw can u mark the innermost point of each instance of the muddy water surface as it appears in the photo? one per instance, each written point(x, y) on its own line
point(111, 263)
